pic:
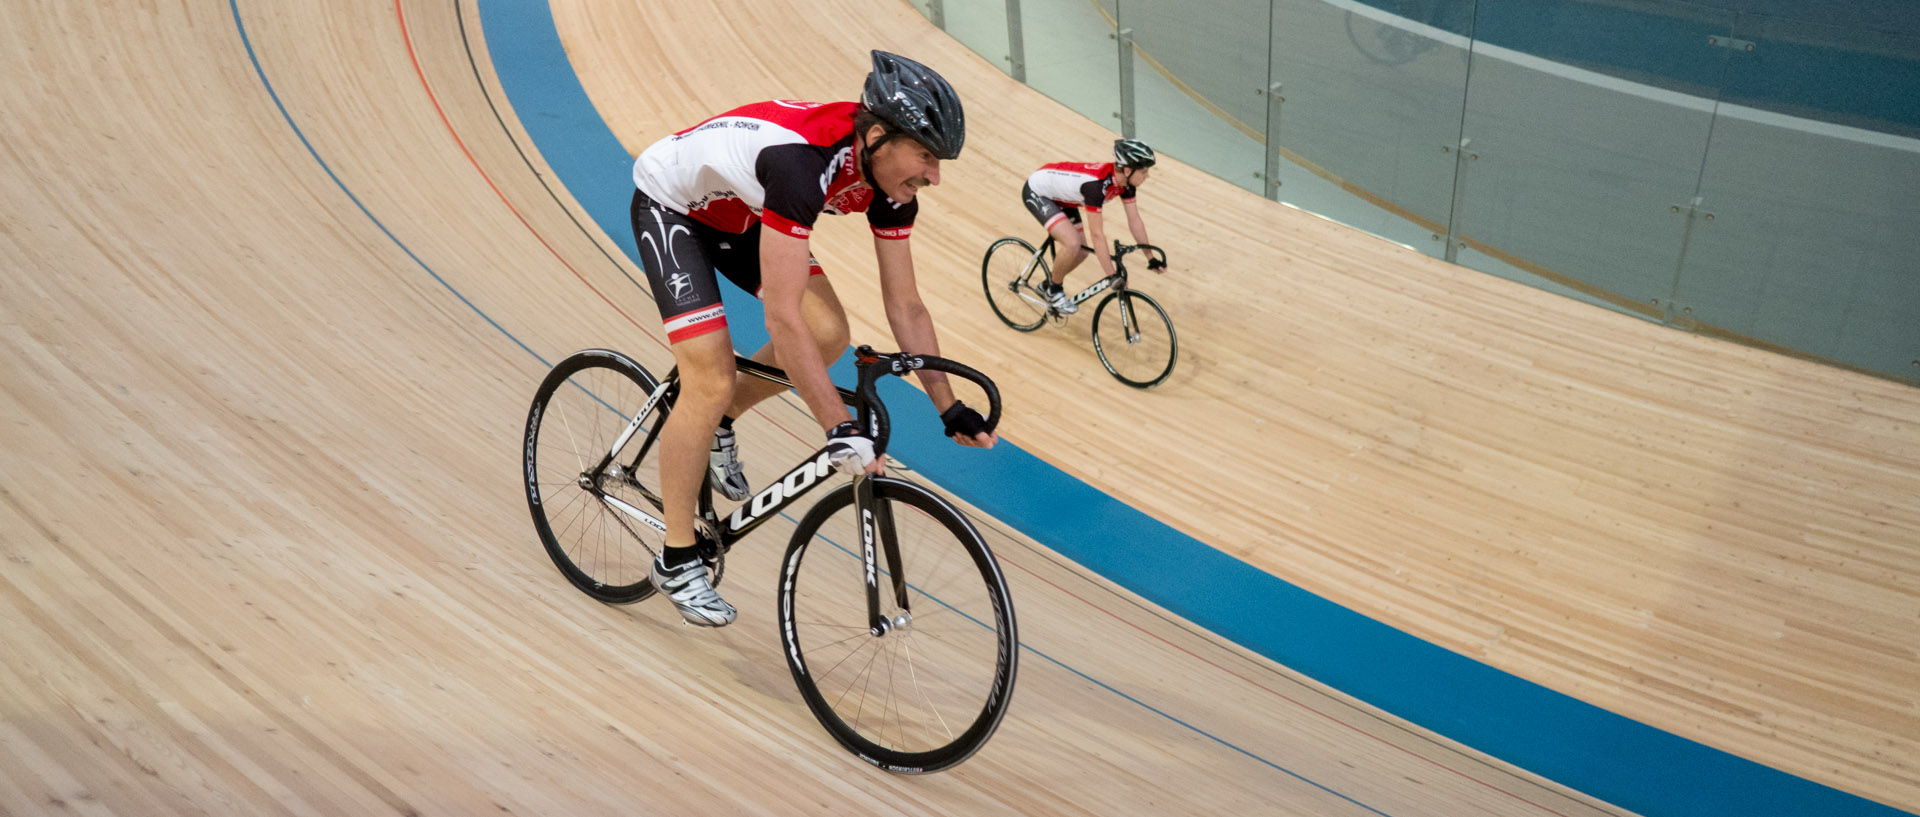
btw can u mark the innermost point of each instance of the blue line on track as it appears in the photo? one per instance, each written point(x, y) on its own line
point(234, 5)
point(1611, 757)
point(262, 74)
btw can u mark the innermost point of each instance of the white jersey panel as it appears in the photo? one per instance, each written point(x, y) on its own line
point(1061, 185)
point(690, 171)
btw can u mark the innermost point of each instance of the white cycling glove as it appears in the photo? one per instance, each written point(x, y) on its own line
point(849, 449)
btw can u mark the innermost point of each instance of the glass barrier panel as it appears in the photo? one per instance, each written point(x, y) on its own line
point(1200, 72)
point(1072, 57)
point(1369, 103)
point(1804, 236)
point(1584, 137)
point(981, 25)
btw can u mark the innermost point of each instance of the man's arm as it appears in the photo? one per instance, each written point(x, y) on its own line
point(1097, 241)
point(1139, 228)
point(912, 324)
point(783, 279)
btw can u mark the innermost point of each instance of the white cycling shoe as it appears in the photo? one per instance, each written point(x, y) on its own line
point(690, 591)
point(1057, 297)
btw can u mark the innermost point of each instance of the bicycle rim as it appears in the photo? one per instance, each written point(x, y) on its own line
point(1134, 338)
point(578, 412)
point(1007, 272)
point(928, 693)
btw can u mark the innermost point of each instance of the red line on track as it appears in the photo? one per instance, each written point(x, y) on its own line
point(435, 99)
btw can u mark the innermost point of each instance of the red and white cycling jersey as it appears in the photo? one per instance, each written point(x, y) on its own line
point(779, 163)
point(1079, 184)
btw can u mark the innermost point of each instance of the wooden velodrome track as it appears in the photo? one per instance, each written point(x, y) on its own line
point(266, 360)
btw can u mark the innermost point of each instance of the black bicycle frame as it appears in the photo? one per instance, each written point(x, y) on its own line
point(876, 521)
point(1119, 277)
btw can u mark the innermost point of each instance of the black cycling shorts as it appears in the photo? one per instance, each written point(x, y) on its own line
point(1046, 210)
point(680, 256)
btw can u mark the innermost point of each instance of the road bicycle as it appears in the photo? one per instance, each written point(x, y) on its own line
point(1131, 333)
point(893, 614)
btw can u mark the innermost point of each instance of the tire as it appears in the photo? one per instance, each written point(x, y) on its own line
point(1008, 277)
point(577, 414)
point(1140, 358)
point(1387, 44)
point(930, 691)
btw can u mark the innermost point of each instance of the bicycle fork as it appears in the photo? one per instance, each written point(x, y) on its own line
point(1127, 322)
point(877, 537)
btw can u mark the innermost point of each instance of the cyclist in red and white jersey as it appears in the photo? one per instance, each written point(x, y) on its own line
point(740, 193)
point(1055, 195)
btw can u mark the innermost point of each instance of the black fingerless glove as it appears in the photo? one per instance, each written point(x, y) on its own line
point(963, 421)
point(1156, 263)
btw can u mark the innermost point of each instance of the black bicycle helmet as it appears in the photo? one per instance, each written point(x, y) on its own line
point(1132, 153)
point(916, 101)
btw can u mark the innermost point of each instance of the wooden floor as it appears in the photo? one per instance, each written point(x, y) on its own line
point(268, 349)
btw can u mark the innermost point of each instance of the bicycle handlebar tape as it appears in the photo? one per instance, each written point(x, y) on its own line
point(985, 383)
point(867, 362)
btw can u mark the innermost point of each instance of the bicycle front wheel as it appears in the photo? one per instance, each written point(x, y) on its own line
point(573, 489)
point(1009, 272)
point(1134, 338)
point(926, 690)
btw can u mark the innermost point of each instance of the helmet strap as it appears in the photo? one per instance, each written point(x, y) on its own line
point(866, 155)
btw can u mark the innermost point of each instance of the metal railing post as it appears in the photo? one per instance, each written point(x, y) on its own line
point(1461, 157)
point(1272, 175)
point(1125, 37)
point(1016, 48)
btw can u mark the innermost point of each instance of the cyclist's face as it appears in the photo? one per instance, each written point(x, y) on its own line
point(1137, 176)
point(902, 166)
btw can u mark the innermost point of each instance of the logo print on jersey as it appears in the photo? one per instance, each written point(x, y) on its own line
point(681, 285)
point(833, 167)
point(851, 201)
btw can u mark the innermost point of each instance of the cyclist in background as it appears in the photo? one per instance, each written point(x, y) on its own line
point(1055, 195)
point(740, 193)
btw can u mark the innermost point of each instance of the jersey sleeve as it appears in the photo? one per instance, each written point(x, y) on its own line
point(794, 178)
point(1128, 193)
point(1094, 194)
point(889, 220)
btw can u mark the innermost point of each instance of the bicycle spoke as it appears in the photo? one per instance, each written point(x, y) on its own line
point(1007, 273)
point(926, 692)
point(925, 699)
point(576, 418)
point(1134, 338)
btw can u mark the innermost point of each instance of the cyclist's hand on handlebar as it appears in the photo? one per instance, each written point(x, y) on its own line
point(1158, 265)
point(966, 427)
point(851, 450)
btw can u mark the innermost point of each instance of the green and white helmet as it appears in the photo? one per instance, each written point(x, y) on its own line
point(1132, 153)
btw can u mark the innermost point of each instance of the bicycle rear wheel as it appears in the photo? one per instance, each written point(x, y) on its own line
point(580, 409)
point(1009, 272)
point(931, 689)
point(1134, 339)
